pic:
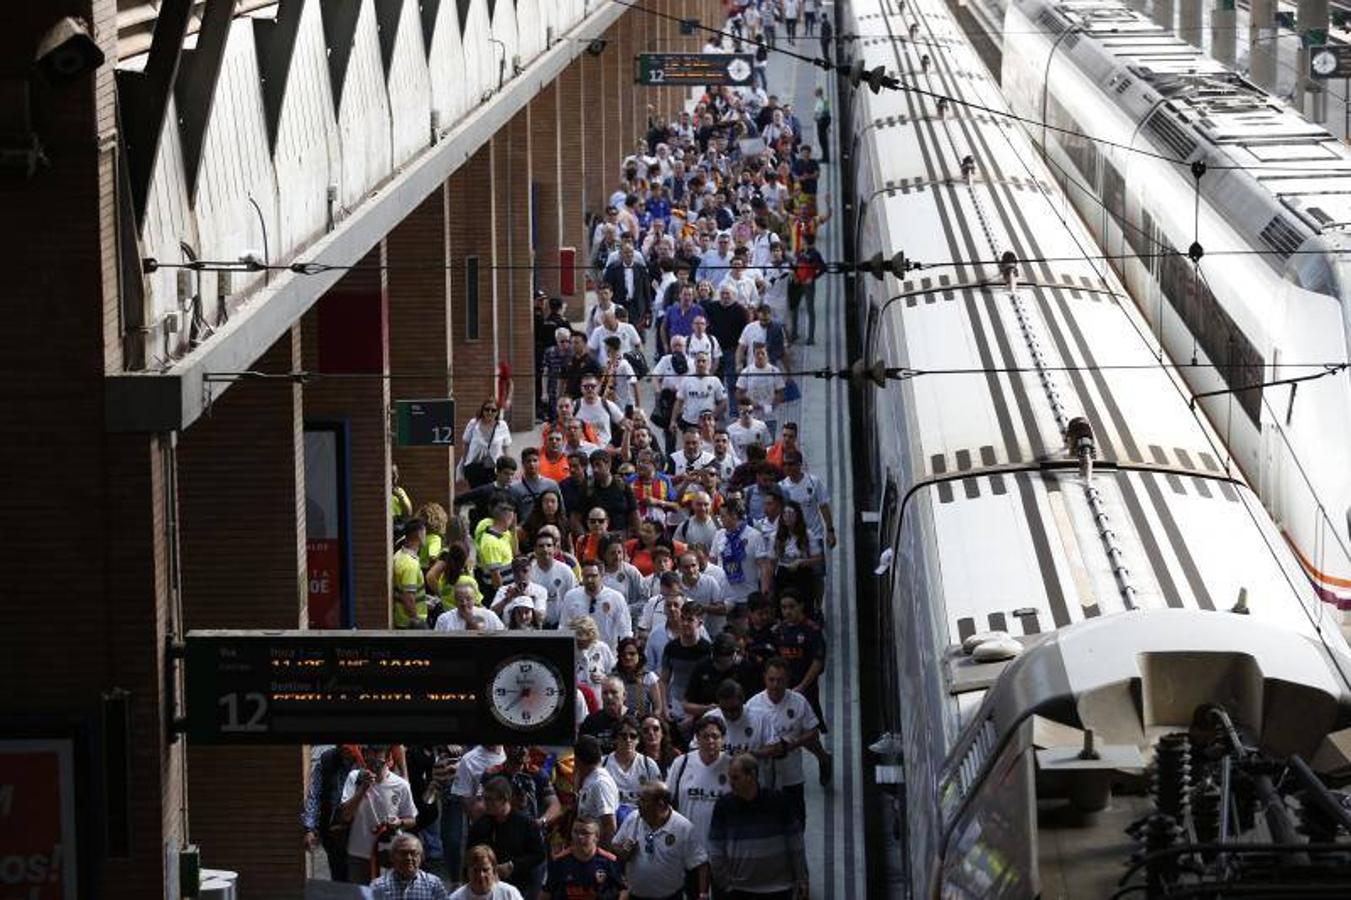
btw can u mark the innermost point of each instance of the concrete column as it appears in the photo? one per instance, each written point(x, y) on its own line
point(472, 228)
point(1165, 14)
point(515, 321)
point(348, 331)
point(1262, 43)
point(1189, 22)
point(1224, 32)
point(1312, 18)
point(241, 484)
point(419, 347)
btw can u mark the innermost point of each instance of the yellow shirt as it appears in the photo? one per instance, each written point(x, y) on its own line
point(495, 551)
point(408, 577)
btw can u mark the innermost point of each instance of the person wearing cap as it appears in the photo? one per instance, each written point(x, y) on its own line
point(521, 589)
point(409, 589)
point(725, 663)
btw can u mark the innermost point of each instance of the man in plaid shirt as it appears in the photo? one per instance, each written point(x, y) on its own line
point(555, 358)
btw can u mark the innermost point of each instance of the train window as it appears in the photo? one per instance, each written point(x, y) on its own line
point(1114, 192)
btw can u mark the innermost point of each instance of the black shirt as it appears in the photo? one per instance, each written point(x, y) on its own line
point(515, 840)
point(576, 369)
point(725, 322)
point(602, 725)
point(616, 498)
point(704, 680)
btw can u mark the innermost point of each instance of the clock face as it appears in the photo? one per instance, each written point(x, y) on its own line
point(1325, 62)
point(738, 70)
point(526, 692)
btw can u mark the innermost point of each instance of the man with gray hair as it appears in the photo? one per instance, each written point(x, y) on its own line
point(407, 881)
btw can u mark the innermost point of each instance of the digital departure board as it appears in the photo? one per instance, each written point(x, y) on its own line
point(659, 69)
point(307, 687)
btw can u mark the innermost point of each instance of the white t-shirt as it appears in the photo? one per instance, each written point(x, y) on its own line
point(538, 597)
point(706, 590)
point(742, 436)
point(700, 392)
point(628, 341)
point(599, 795)
point(694, 345)
point(743, 288)
point(810, 493)
point(754, 333)
point(753, 731)
point(791, 718)
point(609, 608)
point(776, 290)
point(695, 788)
point(595, 663)
point(557, 580)
point(451, 620)
point(599, 414)
point(469, 776)
point(631, 782)
point(692, 531)
point(670, 378)
point(740, 584)
point(499, 891)
point(680, 463)
point(760, 386)
point(593, 319)
point(625, 379)
point(675, 850)
point(389, 797)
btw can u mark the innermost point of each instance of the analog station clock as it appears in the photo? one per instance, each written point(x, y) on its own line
point(527, 692)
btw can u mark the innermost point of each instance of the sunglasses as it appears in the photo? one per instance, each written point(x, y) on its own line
point(596, 521)
point(489, 409)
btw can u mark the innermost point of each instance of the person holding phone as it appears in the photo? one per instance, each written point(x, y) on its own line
point(374, 800)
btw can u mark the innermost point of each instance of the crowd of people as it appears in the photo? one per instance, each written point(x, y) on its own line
point(667, 520)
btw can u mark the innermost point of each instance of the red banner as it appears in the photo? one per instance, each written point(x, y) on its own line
point(325, 565)
point(37, 821)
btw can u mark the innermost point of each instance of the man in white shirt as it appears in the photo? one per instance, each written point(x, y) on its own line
point(700, 527)
point(629, 339)
point(659, 848)
point(797, 727)
point(698, 779)
point(606, 605)
point(761, 384)
point(690, 459)
point(597, 793)
point(467, 616)
point(744, 555)
point(698, 392)
point(521, 588)
point(605, 303)
point(554, 577)
point(811, 495)
point(777, 275)
point(748, 730)
point(596, 411)
point(715, 264)
point(373, 796)
point(747, 429)
point(695, 585)
point(743, 282)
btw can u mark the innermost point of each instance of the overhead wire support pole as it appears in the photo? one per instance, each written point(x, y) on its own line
point(1328, 369)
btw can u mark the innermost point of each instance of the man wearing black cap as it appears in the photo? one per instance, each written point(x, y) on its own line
point(725, 664)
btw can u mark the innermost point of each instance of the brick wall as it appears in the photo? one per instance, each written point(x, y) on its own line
point(470, 230)
point(544, 166)
point(418, 285)
point(576, 194)
point(607, 106)
point(592, 122)
point(241, 483)
point(356, 302)
point(514, 171)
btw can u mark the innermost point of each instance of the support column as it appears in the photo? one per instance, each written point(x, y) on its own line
point(241, 477)
point(348, 331)
point(593, 118)
point(622, 97)
point(1262, 43)
point(607, 107)
point(515, 210)
point(1189, 22)
point(1310, 96)
point(1165, 14)
point(546, 163)
point(471, 227)
point(578, 195)
point(1224, 32)
point(419, 348)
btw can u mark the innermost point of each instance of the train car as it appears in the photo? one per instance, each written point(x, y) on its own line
point(1186, 153)
point(1075, 579)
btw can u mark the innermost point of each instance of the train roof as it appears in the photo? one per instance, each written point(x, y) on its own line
point(1019, 547)
point(1192, 107)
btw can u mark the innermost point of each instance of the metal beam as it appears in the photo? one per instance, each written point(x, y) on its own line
point(196, 85)
point(340, 25)
point(145, 96)
point(275, 40)
point(148, 402)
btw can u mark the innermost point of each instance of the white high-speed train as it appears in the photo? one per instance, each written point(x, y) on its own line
point(1272, 292)
point(1076, 578)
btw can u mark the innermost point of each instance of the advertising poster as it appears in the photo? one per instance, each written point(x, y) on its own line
point(323, 533)
point(38, 853)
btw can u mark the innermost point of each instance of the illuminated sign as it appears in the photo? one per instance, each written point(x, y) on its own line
point(301, 687)
point(658, 69)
